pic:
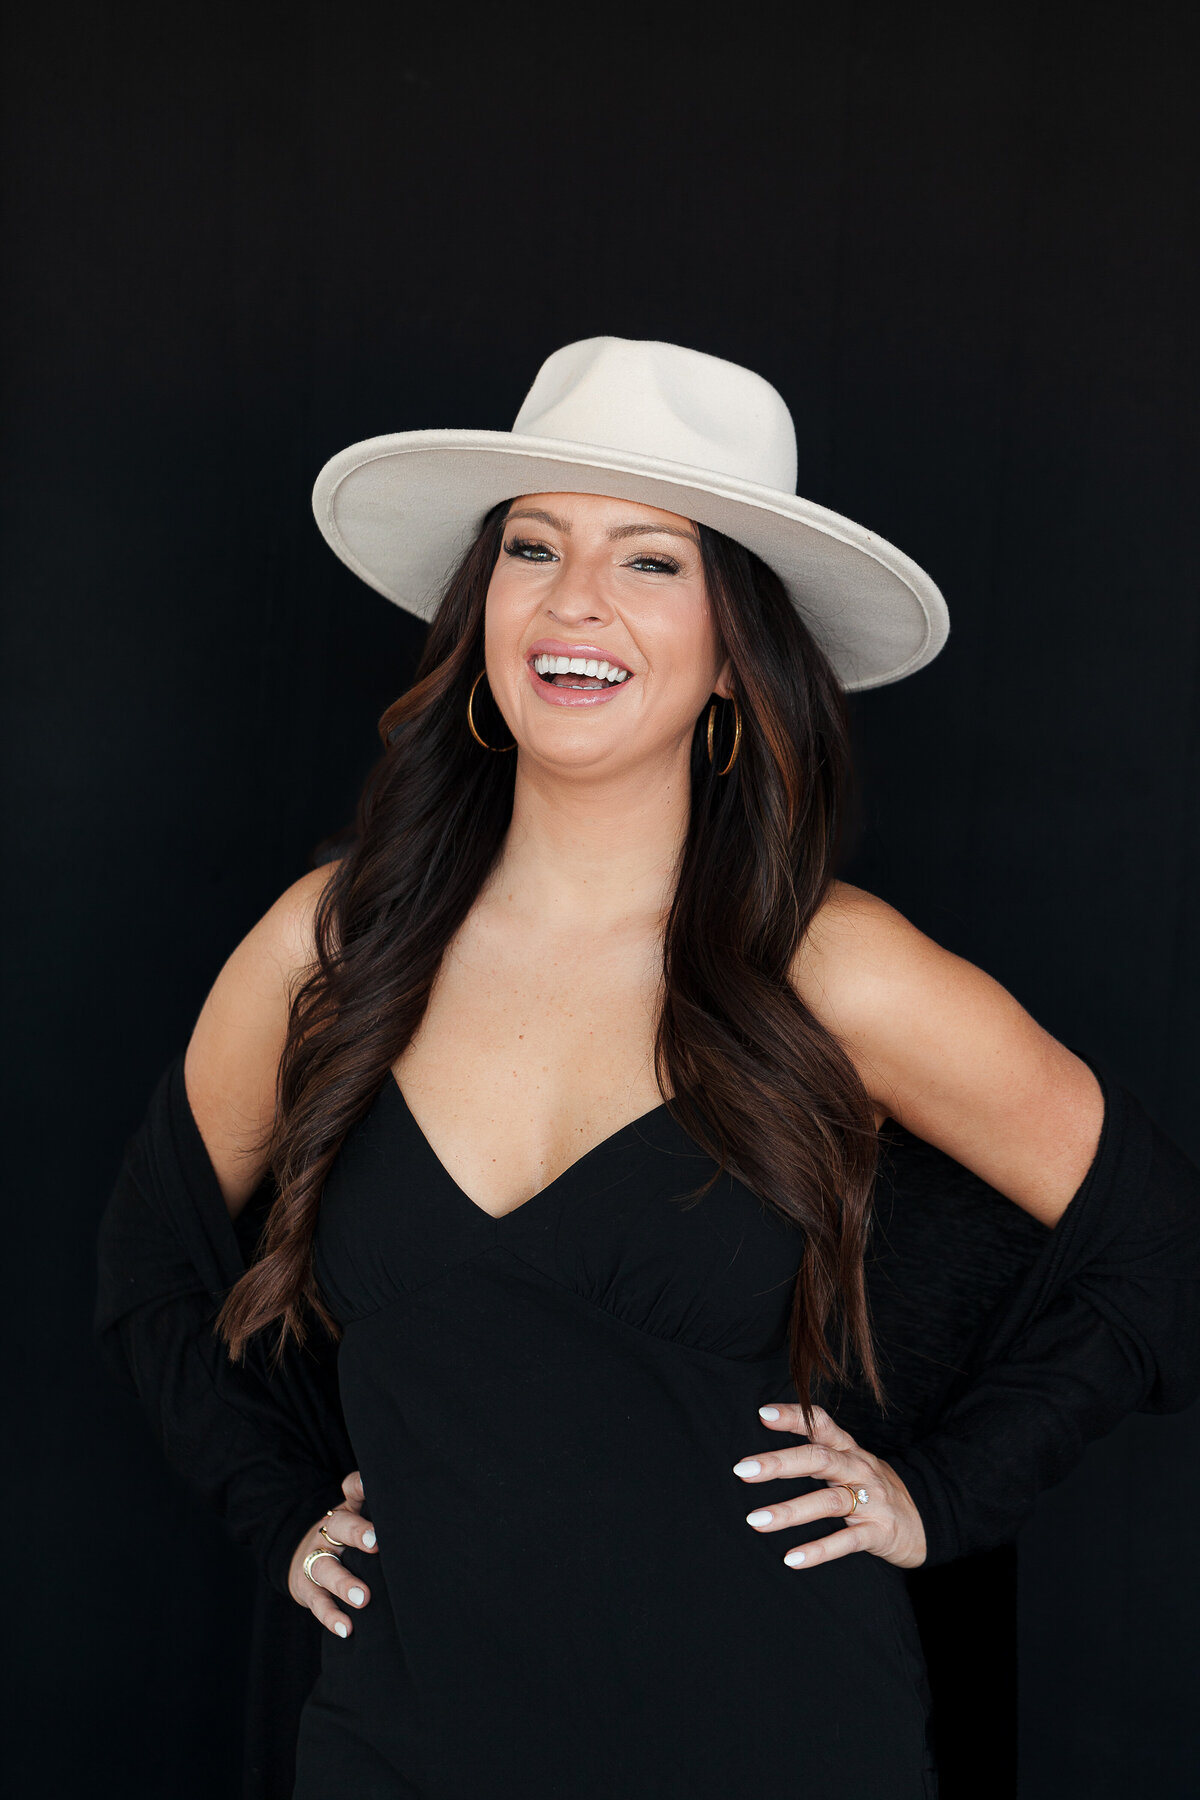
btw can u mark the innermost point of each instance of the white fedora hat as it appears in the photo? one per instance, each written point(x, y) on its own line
point(649, 422)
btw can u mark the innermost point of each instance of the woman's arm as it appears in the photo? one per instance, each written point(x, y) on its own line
point(950, 1054)
point(1106, 1319)
point(266, 1448)
point(1104, 1323)
point(233, 1054)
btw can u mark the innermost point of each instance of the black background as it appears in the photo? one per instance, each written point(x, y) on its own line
point(960, 242)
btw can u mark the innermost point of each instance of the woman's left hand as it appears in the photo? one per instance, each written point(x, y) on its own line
point(887, 1523)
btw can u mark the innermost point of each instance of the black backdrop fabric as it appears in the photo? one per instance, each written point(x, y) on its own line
point(960, 241)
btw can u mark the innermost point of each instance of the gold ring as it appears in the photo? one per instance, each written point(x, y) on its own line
point(857, 1494)
point(311, 1558)
point(340, 1542)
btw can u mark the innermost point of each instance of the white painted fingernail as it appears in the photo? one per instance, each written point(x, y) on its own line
point(369, 1539)
point(356, 1596)
point(342, 1630)
point(748, 1466)
point(794, 1558)
point(761, 1517)
point(768, 1412)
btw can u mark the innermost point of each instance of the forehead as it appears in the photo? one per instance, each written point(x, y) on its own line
point(585, 511)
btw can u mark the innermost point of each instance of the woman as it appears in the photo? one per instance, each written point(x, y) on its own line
point(569, 1075)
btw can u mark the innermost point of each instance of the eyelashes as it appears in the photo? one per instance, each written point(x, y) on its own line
point(517, 547)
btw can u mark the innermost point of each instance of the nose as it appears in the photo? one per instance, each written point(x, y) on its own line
point(577, 596)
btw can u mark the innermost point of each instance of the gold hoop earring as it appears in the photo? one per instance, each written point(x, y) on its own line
point(471, 721)
point(737, 734)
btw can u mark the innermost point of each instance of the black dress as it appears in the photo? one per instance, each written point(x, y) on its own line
point(546, 1408)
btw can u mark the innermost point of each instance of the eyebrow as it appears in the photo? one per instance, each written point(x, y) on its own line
point(615, 531)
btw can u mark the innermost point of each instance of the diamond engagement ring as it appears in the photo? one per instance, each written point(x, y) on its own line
point(860, 1497)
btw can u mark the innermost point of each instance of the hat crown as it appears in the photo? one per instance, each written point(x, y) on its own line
point(660, 400)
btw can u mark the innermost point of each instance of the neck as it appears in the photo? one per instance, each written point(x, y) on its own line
point(586, 854)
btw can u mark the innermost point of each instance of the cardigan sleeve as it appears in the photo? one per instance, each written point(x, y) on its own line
point(266, 1449)
point(1105, 1321)
point(221, 1431)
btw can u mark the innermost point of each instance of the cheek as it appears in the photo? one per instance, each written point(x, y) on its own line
point(684, 641)
point(505, 616)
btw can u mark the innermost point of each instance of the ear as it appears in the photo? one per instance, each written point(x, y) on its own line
point(723, 685)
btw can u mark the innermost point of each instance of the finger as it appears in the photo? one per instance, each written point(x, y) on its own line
point(785, 1415)
point(323, 1608)
point(327, 1572)
point(822, 1503)
point(352, 1487)
point(796, 1459)
point(348, 1528)
point(827, 1549)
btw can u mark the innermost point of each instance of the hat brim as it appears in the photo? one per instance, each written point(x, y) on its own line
point(401, 509)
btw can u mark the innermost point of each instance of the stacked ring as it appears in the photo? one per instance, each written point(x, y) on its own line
point(340, 1542)
point(311, 1558)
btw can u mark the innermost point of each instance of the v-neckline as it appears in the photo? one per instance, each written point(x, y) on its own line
point(499, 1218)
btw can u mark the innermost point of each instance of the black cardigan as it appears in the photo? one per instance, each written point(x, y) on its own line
point(1006, 1347)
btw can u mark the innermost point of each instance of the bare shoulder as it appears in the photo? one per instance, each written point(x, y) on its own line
point(854, 936)
point(949, 1052)
point(233, 1054)
point(859, 960)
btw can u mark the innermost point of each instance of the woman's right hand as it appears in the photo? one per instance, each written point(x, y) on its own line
point(346, 1522)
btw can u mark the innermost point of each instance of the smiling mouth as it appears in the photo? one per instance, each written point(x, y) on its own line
point(586, 673)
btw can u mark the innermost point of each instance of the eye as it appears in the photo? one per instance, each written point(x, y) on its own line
point(534, 550)
point(519, 546)
point(659, 565)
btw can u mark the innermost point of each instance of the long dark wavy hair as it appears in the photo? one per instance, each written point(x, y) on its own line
point(750, 1072)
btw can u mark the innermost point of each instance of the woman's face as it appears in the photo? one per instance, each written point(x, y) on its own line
point(584, 576)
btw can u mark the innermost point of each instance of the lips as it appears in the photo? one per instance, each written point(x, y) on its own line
point(601, 695)
point(577, 672)
point(548, 646)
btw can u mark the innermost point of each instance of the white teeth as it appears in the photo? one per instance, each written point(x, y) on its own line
point(588, 667)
